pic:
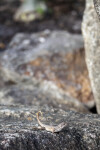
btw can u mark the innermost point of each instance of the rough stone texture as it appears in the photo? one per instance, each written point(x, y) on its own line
point(97, 7)
point(68, 71)
point(19, 129)
point(56, 56)
point(41, 93)
point(91, 33)
point(26, 47)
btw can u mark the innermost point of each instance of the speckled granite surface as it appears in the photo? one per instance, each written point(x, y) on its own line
point(19, 129)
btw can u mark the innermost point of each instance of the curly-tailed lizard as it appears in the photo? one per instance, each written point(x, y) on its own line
point(51, 128)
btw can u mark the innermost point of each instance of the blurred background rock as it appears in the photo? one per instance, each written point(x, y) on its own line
point(39, 22)
point(59, 15)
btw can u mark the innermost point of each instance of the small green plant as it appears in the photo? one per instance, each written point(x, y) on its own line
point(30, 10)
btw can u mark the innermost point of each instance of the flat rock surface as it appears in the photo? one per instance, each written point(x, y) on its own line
point(19, 129)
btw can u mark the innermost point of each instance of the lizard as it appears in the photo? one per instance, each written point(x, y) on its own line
point(50, 128)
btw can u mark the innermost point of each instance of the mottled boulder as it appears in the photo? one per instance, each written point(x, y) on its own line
point(40, 93)
point(19, 129)
point(56, 56)
point(97, 7)
point(91, 33)
point(26, 47)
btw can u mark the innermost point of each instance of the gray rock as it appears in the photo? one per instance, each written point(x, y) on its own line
point(26, 47)
point(91, 33)
point(19, 129)
point(41, 93)
point(56, 56)
point(97, 7)
point(8, 76)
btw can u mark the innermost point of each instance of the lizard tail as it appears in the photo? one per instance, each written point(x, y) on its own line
point(38, 115)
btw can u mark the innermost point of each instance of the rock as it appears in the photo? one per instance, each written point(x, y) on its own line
point(40, 93)
point(91, 33)
point(19, 129)
point(27, 47)
point(8, 76)
point(97, 7)
point(55, 56)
